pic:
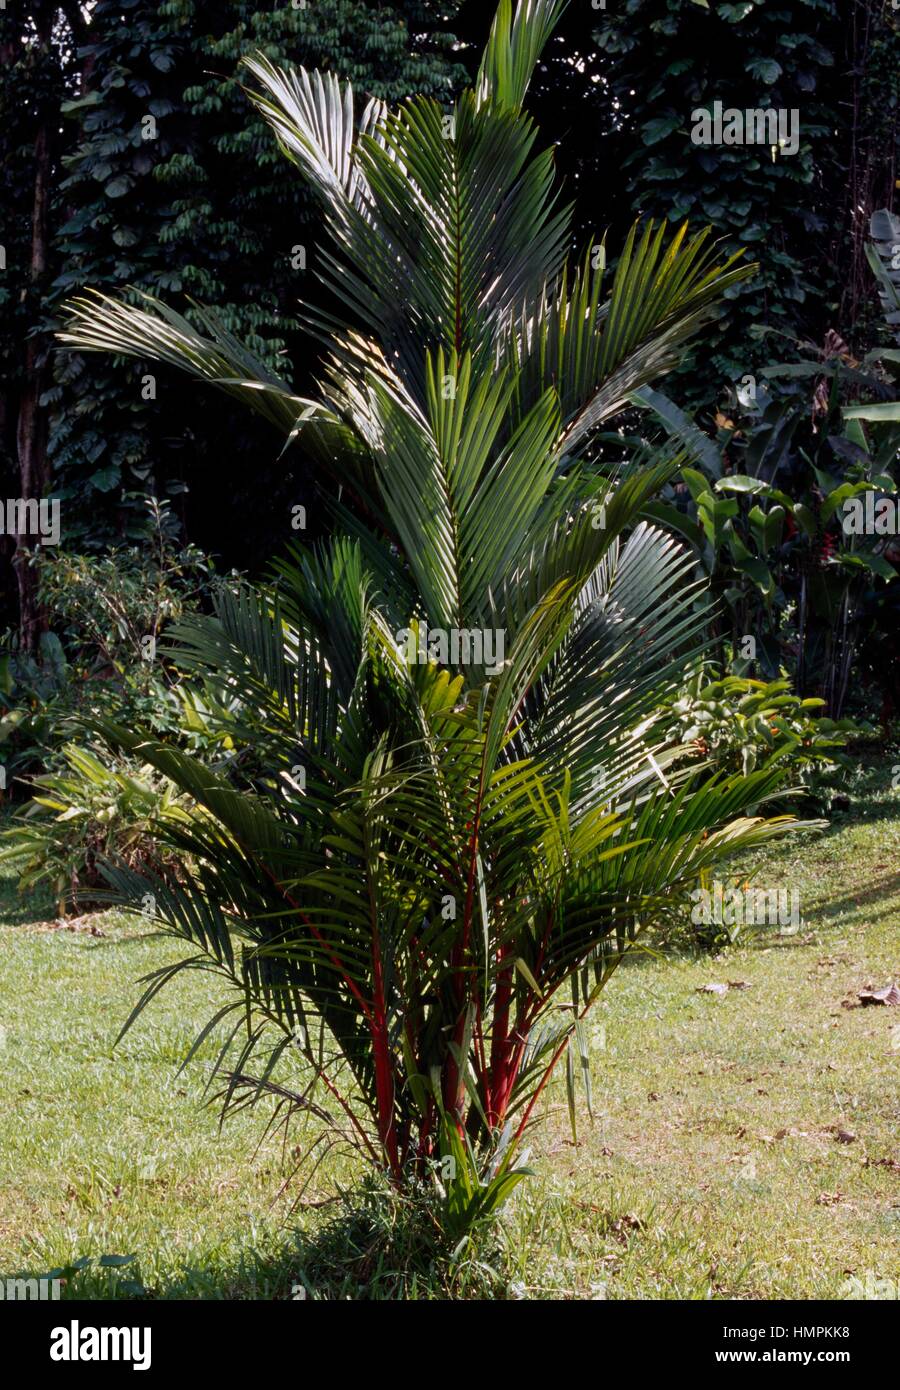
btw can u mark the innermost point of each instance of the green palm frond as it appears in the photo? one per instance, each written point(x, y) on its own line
point(517, 39)
point(98, 323)
point(602, 352)
point(640, 621)
point(313, 117)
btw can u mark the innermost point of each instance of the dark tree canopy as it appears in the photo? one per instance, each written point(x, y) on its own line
point(132, 156)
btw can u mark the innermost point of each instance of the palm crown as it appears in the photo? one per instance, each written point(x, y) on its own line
point(452, 798)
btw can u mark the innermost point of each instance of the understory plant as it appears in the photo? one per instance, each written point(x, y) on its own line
point(106, 614)
point(793, 512)
point(98, 804)
point(453, 803)
point(739, 724)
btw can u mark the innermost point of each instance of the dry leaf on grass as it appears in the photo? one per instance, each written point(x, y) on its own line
point(890, 994)
point(623, 1226)
point(74, 924)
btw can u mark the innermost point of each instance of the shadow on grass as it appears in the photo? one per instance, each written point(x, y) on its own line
point(886, 808)
point(883, 890)
point(39, 910)
point(369, 1245)
point(24, 909)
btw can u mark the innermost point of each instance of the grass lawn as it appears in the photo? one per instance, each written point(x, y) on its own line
point(744, 1145)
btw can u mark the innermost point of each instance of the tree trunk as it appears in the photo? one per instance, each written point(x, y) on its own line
point(31, 427)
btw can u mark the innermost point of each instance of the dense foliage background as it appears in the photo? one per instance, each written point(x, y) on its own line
point(132, 138)
point(133, 157)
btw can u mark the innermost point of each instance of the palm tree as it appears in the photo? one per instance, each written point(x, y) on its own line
point(453, 805)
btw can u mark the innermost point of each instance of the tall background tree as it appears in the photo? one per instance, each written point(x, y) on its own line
point(37, 67)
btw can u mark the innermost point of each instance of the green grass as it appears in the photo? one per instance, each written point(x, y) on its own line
point(712, 1166)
